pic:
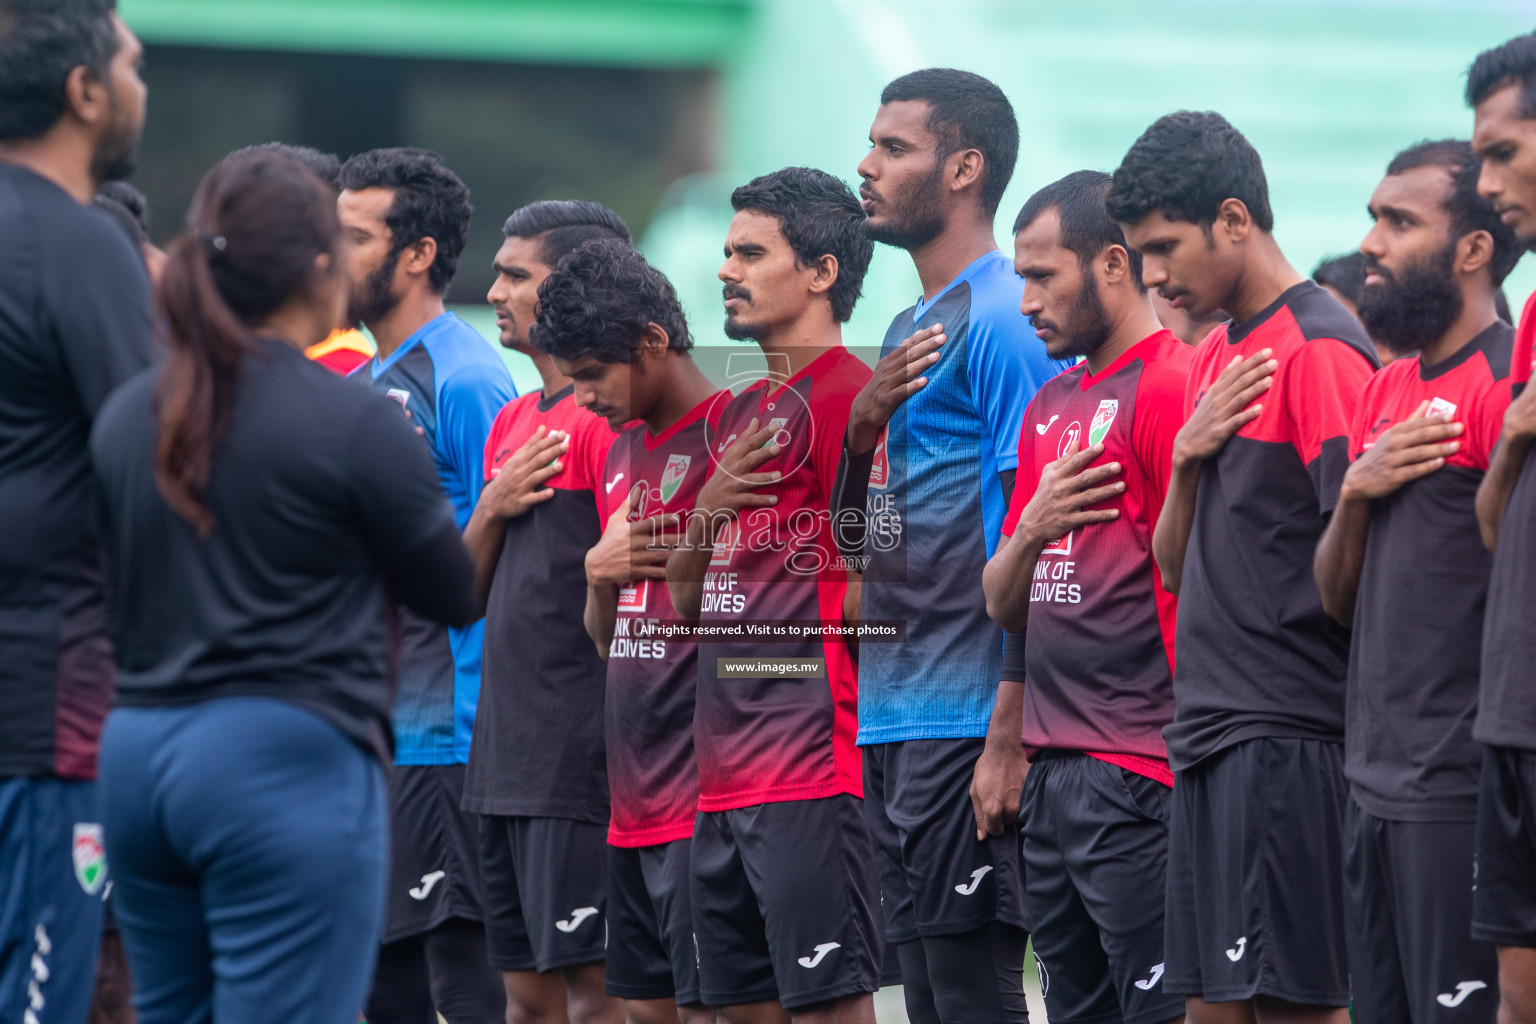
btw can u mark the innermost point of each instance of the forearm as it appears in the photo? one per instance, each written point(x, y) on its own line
point(1007, 722)
point(1007, 578)
point(483, 537)
point(1170, 540)
point(600, 615)
point(1340, 557)
point(687, 567)
point(850, 499)
point(1498, 483)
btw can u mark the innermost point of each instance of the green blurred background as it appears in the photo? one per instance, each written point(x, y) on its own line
point(660, 107)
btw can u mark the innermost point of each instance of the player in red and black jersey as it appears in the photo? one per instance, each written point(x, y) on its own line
point(785, 897)
point(537, 773)
point(1402, 562)
point(1255, 909)
point(612, 323)
point(1075, 574)
point(1501, 89)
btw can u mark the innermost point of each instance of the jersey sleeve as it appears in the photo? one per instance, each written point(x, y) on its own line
point(1160, 399)
point(1007, 364)
point(1525, 341)
point(493, 439)
point(1485, 422)
point(468, 403)
point(1027, 480)
point(588, 458)
point(1323, 383)
point(103, 318)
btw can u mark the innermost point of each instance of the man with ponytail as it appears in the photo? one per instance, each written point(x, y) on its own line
point(404, 218)
point(75, 322)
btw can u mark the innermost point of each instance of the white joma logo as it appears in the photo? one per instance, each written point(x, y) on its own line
point(611, 484)
point(577, 916)
point(1041, 428)
point(821, 951)
point(1236, 954)
point(1463, 989)
point(966, 888)
point(428, 880)
point(1146, 984)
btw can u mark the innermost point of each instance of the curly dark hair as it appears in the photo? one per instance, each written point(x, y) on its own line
point(818, 215)
point(430, 202)
point(1511, 63)
point(968, 112)
point(598, 301)
point(327, 166)
point(1469, 211)
point(1346, 273)
point(561, 225)
point(1186, 165)
point(126, 205)
point(1087, 229)
point(41, 42)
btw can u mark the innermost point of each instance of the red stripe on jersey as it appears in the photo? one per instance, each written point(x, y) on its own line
point(1525, 351)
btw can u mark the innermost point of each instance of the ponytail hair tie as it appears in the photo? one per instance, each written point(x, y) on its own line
point(215, 242)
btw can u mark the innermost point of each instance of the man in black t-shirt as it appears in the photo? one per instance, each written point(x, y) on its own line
point(74, 323)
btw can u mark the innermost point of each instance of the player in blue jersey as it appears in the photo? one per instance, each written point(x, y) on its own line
point(404, 218)
point(930, 453)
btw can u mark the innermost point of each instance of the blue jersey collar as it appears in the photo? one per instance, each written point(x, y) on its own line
point(431, 327)
point(975, 267)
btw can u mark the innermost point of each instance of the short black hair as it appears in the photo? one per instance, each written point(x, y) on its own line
point(126, 205)
point(564, 225)
point(430, 202)
point(1469, 211)
point(1511, 63)
point(598, 300)
point(818, 215)
point(969, 112)
point(1345, 274)
point(1086, 226)
point(1186, 165)
point(41, 42)
point(327, 166)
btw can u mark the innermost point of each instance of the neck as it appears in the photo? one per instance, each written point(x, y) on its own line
point(53, 158)
point(804, 340)
point(1266, 274)
point(686, 388)
point(960, 244)
point(410, 315)
point(1477, 313)
point(1134, 325)
point(553, 380)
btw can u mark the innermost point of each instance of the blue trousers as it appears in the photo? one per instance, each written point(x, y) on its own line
point(249, 846)
point(52, 879)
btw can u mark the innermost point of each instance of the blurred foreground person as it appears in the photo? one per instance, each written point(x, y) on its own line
point(74, 323)
point(257, 509)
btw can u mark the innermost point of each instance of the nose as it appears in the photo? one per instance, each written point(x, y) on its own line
point(1153, 273)
point(1487, 183)
point(583, 396)
point(866, 168)
point(496, 293)
point(1031, 303)
point(1372, 244)
point(727, 272)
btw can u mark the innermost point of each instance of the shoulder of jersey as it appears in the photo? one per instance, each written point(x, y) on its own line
point(1319, 316)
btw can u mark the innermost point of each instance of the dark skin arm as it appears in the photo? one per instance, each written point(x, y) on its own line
point(511, 492)
point(625, 552)
point(1224, 409)
point(1407, 451)
point(732, 487)
point(1505, 465)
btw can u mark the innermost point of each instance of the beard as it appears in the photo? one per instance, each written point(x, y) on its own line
point(736, 328)
point(916, 217)
point(377, 296)
point(1414, 307)
point(1087, 327)
point(117, 151)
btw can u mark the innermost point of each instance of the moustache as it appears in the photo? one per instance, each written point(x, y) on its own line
point(1372, 266)
point(735, 292)
point(866, 191)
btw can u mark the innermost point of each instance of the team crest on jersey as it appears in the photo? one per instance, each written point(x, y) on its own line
point(777, 425)
point(400, 395)
point(90, 857)
point(1440, 407)
point(632, 597)
point(672, 476)
point(1071, 434)
point(1102, 419)
point(880, 470)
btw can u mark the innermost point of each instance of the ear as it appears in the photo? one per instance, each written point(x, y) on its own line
point(1233, 220)
point(654, 341)
point(1116, 261)
point(419, 256)
point(966, 168)
point(1474, 251)
point(824, 274)
point(86, 97)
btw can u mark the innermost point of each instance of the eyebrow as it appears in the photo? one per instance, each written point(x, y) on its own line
point(1388, 210)
point(509, 271)
point(746, 248)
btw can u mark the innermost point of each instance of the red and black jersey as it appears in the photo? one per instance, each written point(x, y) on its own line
point(537, 748)
point(1524, 356)
point(1414, 664)
point(1258, 656)
point(763, 739)
point(653, 778)
point(1099, 647)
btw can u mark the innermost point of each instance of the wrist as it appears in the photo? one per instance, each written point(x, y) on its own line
point(861, 436)
point(1184, 459)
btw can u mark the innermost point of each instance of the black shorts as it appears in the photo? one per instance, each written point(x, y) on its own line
point(935, 878)
point(1504, 903)
point(1256, 875)
point(1409, 915)
point(543, 883)
point(433, 871)
point(650, 924)
point(785, 903)
point(1095, 840)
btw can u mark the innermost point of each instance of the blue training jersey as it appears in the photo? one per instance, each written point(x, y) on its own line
point(454, 383)
point(938, 502)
